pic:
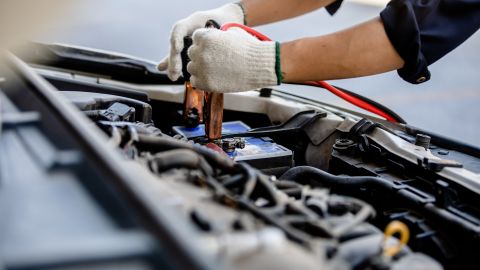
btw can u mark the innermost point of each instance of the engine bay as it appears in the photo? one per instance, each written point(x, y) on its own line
point(292, 184)
point(319, 207)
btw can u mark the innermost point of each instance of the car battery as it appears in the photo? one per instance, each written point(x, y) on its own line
point(262, 153)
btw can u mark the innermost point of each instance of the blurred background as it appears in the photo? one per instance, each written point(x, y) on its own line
point(449, 104)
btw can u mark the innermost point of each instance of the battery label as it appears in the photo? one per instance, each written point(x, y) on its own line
point(255, 148)
point(227, 128)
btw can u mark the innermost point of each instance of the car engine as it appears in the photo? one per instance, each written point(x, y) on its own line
point(290, 184)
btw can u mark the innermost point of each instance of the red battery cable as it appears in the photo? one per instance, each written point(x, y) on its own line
point(339, 93)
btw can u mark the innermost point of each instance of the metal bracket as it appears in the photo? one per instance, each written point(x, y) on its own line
point(437, 165)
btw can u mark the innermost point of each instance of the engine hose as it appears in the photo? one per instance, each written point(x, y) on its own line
point(179, 158)
point(315, 177)
point(164, 143)
point(265, 189)
point(247, 179)
point(364, 212)
point(312, 176)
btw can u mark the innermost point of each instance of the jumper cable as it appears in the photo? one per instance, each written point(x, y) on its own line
point(355, 100)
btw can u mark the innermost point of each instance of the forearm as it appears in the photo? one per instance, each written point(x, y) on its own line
point(358, 51)
point(259, 12)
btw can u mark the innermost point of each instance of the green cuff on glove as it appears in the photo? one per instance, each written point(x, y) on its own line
point(278, 68)
point(244, 13)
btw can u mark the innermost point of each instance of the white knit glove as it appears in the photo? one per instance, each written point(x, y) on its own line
point(232, 61)
point(225, 14)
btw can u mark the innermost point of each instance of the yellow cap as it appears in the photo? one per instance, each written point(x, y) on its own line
point(395, 227)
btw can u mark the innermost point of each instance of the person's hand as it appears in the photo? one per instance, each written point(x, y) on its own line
point(225, 14)
point(232, 61)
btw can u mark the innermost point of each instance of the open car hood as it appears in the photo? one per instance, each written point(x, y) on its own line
point(100, 170)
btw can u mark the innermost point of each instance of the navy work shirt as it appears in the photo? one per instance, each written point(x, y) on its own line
point(423, 31)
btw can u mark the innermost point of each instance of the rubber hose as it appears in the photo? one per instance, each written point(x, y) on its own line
point(312, 176)
point(164, 143)
point(179, 158)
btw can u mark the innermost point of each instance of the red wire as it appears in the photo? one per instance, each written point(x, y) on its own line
point(249, 30)
point(353, 100)
point(339, 93)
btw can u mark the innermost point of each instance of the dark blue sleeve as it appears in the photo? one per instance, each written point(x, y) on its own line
point(423, 31)
point(333, 7)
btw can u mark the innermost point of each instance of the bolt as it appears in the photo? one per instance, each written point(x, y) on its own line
point(240, 143)
point(343, 144)
point(422, 140)
point(228, 145)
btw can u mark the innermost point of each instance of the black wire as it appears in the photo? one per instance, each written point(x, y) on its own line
point(388, 111)
point(393, 114)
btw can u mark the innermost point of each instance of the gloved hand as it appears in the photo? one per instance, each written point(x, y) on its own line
point(225, 14)
point(232, 61)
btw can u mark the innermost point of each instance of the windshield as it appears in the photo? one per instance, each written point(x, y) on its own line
point(447, 104)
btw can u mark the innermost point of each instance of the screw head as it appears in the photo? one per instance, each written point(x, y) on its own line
point(422, 140)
